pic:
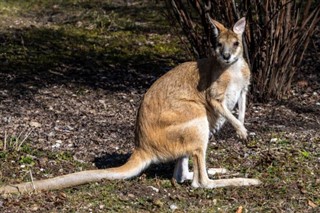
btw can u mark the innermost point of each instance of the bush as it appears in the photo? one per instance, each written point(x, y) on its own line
point(277, 35)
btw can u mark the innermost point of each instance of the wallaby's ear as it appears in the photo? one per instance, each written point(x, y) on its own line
point(240, 26)
point(216, 26)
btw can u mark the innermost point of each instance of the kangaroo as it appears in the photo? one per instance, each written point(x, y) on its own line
point(177, 115)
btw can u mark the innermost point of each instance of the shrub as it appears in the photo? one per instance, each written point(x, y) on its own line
point(277, 35)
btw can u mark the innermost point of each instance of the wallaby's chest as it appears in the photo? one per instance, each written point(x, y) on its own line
point(228, 89)
point(237, 83)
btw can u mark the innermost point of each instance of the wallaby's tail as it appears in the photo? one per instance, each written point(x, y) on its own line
point(136, 163)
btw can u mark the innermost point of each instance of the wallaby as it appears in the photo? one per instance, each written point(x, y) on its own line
point(176, 117)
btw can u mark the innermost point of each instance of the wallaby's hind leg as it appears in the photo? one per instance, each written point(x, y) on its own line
point(181, 170)
point(202, 180)
point(182, 173)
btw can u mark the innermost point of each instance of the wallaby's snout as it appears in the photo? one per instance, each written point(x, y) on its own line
point(226, 56)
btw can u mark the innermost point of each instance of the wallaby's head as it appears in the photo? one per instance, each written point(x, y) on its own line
point(228, 46)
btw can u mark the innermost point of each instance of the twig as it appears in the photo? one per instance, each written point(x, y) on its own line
point(25, 138)
point(5, 141)
point(16, 143)
point(33, 186)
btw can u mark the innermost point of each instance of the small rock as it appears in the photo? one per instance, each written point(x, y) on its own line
point(131, 195)
point(252, 134)
point(34, 208)
point(79, 24)
point(273, 140)
point(215, 201)
point(154, 188)
point(173, 207)
point(57, 145)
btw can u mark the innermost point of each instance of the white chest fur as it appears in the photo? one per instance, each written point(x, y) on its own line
point(236, 85)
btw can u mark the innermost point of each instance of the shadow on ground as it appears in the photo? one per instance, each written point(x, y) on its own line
point(39, 58)
point(162, 171)
point(110, 56)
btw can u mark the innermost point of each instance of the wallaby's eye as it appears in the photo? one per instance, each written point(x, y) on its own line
point(219, 45)
point(236, 44)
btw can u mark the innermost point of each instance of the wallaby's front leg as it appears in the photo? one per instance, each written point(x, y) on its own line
point(242, 105)
point(225, 112)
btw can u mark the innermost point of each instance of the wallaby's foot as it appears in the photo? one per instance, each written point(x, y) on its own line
point(210, 184)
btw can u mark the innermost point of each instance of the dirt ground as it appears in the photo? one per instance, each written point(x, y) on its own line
point(68, 102)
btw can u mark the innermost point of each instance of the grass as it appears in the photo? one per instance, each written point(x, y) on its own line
point(290, 183)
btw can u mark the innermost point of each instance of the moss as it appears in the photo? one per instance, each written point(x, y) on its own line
point(26, 159)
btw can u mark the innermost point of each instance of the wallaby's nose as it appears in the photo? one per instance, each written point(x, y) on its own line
point(226, 56)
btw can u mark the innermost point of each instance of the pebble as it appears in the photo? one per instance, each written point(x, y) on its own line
point(252, 134)
point(273, 140)
point(131, 195)
point(154, 188)
point(173, 207)
point(57, 144)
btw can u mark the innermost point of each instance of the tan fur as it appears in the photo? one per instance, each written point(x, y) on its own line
point(176, 116)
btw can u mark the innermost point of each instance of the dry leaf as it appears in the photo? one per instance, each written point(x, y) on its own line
point(35, 124)
point(312, 204)
point(302, 83)
point(239, 209)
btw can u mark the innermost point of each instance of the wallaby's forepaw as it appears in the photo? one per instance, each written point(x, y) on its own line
point(242, 133)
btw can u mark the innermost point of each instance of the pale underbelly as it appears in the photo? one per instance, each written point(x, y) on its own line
point(217, 125)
